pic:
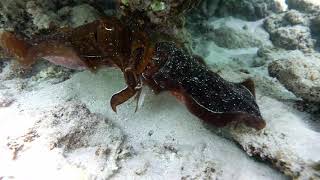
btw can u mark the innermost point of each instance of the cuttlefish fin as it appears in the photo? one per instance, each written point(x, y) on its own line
point(218, 119)
point(121, 97)
point(200, 59)
point(249, 84)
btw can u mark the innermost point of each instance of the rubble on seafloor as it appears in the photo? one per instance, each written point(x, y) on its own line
point(64, 114)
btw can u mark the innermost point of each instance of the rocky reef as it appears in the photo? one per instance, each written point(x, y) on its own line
point(247, 9)
point(59, 120)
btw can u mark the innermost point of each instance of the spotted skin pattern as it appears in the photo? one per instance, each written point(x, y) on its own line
point(204, 92)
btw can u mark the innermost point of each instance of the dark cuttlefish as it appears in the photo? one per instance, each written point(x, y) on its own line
point(205, 93)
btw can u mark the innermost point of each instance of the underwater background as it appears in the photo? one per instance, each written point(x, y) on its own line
point(57, 122)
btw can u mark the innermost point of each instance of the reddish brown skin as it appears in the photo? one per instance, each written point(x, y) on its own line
point(104, 42)
point(109, 42)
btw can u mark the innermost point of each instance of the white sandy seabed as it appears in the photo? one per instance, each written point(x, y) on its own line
point(67, 130)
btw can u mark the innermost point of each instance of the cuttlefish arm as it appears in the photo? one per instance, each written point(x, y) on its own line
point(205, 93)
point(121, 97)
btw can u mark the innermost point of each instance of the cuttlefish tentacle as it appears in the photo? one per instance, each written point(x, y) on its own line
point(133, 84)
point(133, 73)
point(147, 55)
point(121, 97)
point(142, 42)
point(137, 99)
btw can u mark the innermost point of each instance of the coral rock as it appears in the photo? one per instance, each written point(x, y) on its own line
point(301, 76)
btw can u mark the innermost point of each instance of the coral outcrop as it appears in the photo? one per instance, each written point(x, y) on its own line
point(159, 11)
point(80, 142)
point(290, 31)
point(247, 9)
point(299, 75)
point(30, 16)
point(308, 6)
